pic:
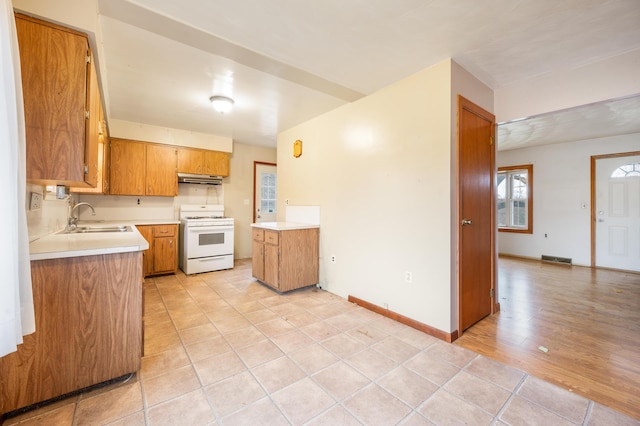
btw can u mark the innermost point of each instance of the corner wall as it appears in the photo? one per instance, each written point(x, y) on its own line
point(381, 171)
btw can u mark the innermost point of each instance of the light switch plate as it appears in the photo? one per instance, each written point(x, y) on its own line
point(36, 201)
point(61, 192)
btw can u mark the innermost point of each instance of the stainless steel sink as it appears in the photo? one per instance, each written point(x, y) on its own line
point(98, 229)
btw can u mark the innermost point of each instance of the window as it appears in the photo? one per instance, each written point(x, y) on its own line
point(631, 169)
point(515, 199)
point(268, 195)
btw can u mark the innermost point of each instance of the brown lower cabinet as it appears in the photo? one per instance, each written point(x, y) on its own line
point(286, 259)
point(88, 314)
point(162, 255)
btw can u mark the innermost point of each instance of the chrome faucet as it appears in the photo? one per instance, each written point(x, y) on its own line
point(72, 221)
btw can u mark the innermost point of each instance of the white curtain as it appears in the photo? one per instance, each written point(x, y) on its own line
point(16, 298)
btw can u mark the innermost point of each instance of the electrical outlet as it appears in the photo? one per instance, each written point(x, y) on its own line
point(36, 201)
point(386, 306)
point(333, 258)
point(407, 276)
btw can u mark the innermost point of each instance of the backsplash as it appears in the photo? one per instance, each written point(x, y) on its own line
point(51, 217)
point(53, 214)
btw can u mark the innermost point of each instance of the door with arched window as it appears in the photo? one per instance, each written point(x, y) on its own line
point(616, 212)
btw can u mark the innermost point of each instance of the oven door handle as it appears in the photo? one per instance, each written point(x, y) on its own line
point(201, 229)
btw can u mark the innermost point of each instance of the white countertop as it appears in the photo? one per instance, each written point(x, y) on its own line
point(284, 226)
point(60, 245)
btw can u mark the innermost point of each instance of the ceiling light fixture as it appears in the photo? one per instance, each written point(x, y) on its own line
point(221, 104)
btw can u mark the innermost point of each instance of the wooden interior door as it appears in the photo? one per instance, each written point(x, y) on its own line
point(476, 213)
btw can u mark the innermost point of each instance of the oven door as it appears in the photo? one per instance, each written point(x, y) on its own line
point(207, 241)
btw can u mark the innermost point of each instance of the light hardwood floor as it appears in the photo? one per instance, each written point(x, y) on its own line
point(588, 319)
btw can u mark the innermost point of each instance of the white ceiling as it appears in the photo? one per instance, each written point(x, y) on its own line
point(286, 61)
point(608, 118)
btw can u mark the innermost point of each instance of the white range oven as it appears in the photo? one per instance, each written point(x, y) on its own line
point(206, 239)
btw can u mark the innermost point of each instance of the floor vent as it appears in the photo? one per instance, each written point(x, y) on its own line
point(556, 259)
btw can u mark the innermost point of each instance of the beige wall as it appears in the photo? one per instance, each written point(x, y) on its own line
point(158, 134)
point(238, 192)
point(79, 14)
point(381, 171)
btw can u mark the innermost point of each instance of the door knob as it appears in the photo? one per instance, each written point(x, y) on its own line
point(466, 221)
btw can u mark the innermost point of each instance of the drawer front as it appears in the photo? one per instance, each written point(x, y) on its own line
point(258, 234)
point(164, 230)
point(271, 237)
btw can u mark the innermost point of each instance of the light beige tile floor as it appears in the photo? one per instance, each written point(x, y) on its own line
point(222, 349)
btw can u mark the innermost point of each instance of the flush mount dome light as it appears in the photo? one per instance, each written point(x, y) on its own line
point(221, 104)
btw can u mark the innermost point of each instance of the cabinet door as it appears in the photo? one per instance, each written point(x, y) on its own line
point(106, 146)
point(216, 163)
point(165, 255)
point(95, 147)
point(127, 167)
point(161, 165)
point(54, 83)
point(147, 255)
point(190, 160)
point(258, 260)
point(271, 265)
point(85, 333)
point(91, 126)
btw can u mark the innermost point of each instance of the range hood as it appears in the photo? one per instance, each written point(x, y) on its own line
point(201, 179)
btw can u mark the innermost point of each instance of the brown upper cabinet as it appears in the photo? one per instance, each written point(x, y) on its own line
point(57, 89)
point(200, 161)
point(128, 159)
point(161, 168)
point(140, 168)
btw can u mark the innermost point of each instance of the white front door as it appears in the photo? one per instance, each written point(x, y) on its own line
point(617, 213)
point(265, 183)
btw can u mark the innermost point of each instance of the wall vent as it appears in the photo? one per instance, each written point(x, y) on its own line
point(556, 259)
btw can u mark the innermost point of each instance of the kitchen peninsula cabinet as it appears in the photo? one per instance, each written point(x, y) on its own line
point(88, 312)
point(200, 161)
point(285, 256)
point(162, 255)
point(141, 168)
point(56, 67)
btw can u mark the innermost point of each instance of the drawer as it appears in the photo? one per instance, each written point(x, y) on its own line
point(258, 234)
point(164, 230)
point(271, 237)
